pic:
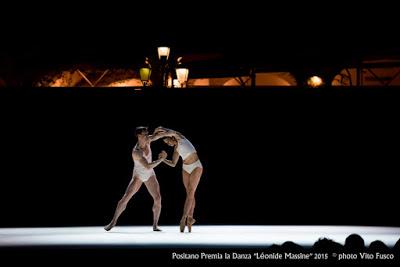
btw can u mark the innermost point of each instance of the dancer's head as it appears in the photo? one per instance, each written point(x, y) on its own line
point(141, 131)
point(171, 141)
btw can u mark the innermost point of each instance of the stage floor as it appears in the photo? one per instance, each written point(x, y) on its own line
point(202, 236)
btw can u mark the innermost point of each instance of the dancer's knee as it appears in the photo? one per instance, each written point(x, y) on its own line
point(123, 202)
point(157, 200)
point(190, 193)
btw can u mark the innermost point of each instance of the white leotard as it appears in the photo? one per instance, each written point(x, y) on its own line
point(185, 148)
point(139, 170)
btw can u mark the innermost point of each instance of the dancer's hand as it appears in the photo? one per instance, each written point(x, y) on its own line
point(162, 155)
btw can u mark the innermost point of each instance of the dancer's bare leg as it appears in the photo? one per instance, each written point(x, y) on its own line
point(132, 188)
point(190, 181)
point(154, 189)
point(191, 210)
point(186, 180)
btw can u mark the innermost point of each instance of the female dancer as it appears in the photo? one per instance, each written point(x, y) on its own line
point(191, 173)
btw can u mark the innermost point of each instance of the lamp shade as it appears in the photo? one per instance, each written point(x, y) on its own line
point(145, 71)
point(182, 74)
point(145, 74)
point(163, 52)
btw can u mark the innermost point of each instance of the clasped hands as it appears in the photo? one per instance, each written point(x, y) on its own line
point(163, 155)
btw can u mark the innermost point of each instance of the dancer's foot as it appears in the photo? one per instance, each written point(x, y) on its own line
point(190, 222)
point(156, 229)
point(109, 227)
point(182, 224)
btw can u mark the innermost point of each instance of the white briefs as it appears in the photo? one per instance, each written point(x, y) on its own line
point(143, 175)
point(189, 168)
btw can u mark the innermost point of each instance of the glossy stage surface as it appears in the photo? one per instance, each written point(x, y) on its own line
point(201, 236)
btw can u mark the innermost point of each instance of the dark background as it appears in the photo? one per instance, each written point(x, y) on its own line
point(271, 155)
point(40, 35)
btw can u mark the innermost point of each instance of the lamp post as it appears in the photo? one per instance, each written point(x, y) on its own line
point(162, 74)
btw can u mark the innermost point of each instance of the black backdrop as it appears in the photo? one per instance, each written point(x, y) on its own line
point(271, 156)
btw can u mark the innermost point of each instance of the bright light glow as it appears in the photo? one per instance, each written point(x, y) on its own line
point(58, 83)
point(314, 81)
point(66, 79)
point(169, 82)
point(378, 76)
point(145, 74)
point(215, 236)
point(126, 83)
point(177, 83)
point(182, 74)
point(163, 51)
point(199, 82)
point(275, 79)
point(232, 81)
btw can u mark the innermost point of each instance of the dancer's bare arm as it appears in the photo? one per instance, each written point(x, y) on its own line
point(175, 158)
point(162, 132)
point(138, 155)
point(155, 136)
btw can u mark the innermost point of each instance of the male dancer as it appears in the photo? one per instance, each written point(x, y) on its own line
point(143, 172)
